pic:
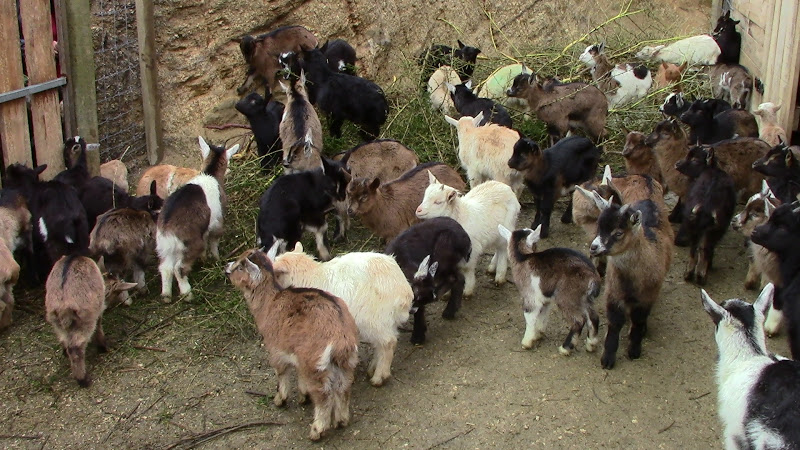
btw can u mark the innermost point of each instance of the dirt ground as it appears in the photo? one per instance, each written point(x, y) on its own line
point(177, 371)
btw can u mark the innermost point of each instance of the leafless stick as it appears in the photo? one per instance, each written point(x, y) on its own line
point(226, 126)
point(463, 433)
point(194, 441)
point(666, 428)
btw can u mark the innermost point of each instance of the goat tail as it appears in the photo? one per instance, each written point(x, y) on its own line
point(66, 318)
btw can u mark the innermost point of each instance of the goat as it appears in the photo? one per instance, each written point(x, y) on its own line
point(261, 53)
point(674, 105)
point(308, 329)
point(479, 212)
point(438, 89)
point(469, 104)
point(387, 209)
point(344, 97)
point(734, 84)
point(563, 107)
point(15, 222)
point(779, 235)
point(298, 202)
point(265, 118)
point(632, 236)
point(763, 267)
point(384, 159)
point(707, 211)
point(756, 394)
point(484, 151)
point(670, 74)
point(707, 126)
point(622, 83)
point(341, 56)
point(461, 59)
point(769, 131)
point(670, 144)
point(781, 166)
point(116, 171)
point(76, 296)
point(431, 254)
point(192, 219)
point(300, 129)
point(701, 50)
point(496, 85)
point(58, 218)
point(736, 157)
point(553, 172)
point(9, 274)
point(378, 308)
point(168, 179)
point(640, 158)
point(728, 39)
point(556, 275)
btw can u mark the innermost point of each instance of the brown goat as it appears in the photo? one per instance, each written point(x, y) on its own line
point(734, 84)
point(126, 240)
point(669, 73)
point(563, 107)
point(389, 209)
point(168, 179)
point(307, 328)
point(640, 158)
point(15, 222)
point(116, 171)
point(77, 294)
point(9, 274)
point(670, 144)
point(261, 53)
point(736, 157)
point(300, 129)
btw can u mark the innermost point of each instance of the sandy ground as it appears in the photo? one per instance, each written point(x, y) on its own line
point(176, 371)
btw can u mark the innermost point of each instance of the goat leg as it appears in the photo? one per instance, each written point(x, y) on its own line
point(567, 216)
point(456, 294)
point(420, 327)
point(639, 316)
point(676, 216)
point(616, 319)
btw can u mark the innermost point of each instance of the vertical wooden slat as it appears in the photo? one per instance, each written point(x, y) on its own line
point(13, 115)
point(151, 106)
point(45, 110)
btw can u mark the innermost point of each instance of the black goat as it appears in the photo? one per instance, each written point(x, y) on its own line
point(469, 104)
point(343, 97)
point(551, 173)
point(57, 216)
point(781, 167)
point(675, 104)
point(341, 56)
point(430, 254)
point(265, 118)
point(710, 125)
point(300, 201)
point(707, 211)
point(461, 59)
point(728, 39)
point(780, 235)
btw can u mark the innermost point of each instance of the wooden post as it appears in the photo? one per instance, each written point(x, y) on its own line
point(45, 110)
point(13, 115)
point(716, 11)
point(151, 106)
point(76, 52)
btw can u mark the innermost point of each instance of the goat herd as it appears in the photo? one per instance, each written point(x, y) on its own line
point(312, 314)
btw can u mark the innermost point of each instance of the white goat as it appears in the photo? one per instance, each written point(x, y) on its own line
point(371, 284)
point(759, 404)
point(769, 131)
point(437, 88)
point(479, 211)
point(484, 151)
point(699, 50)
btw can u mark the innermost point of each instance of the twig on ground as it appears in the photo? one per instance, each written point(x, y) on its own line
point(699, 396)
point(666, 427)
point(463, 433)
point(226, 126)
point(197, 439)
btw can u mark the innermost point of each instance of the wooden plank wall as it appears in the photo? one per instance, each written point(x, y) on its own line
point(39, 60)
point(14, 114)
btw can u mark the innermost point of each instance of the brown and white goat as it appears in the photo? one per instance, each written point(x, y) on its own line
point(633, 236)
point(563, 107)
point(622, 83)
point(77, 294)
point(640, 158)
point(388, 209)
point(734, 84)
point(261, 53)
point(300, 129)
point(191, 221)
point(557, 275)
point(769, 131)
point(308, 329)
point(670, 74)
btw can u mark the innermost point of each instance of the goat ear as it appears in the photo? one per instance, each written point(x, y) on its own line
point(451, 195)
point(601, 47)
point(716, 312)
point(769, 206)
point(764, 299)
point(468, 84)
point(764, 189)
point(272, 253)
point(790, 161)
point(505, 233)
point(450, 88)
point(710, 156)
point(422, 270)
point(606, 175)
point(525, 70)
point(636, 218)
point(205, 150)
point(40, 169)
point(590, 196)
point(153, 190)
point(450, 120)
point(534, 236)
point(231, 151)
point(252, 270)
point(432, 269)
point(375, 184)
point(478, 119)
point(460, 44)
point(683, 66)
point(298, 248)
point(777, 107)
point(302, 77)
point(664, 65)
point(432, 178)
point(123, 286)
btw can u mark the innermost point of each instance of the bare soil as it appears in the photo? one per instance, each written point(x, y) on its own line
point(180, 370)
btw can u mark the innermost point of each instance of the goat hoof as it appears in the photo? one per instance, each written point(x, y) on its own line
point(751, 285)
point(84, 382)
point(303, 398)
point(634, 353)
point(448, 315)
point(418, 340)
point(315, 433)
point(688, 276)
point(166, 299)
point(102, 349)
point(701, 280)
point(608, 361)
point(564, 351)
point(278, 401)
point(377, 381)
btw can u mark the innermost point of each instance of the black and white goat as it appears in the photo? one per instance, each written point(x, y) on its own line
point(469, 104)
point(757, 395)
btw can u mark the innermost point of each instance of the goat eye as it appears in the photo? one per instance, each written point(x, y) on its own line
point(618, 234)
